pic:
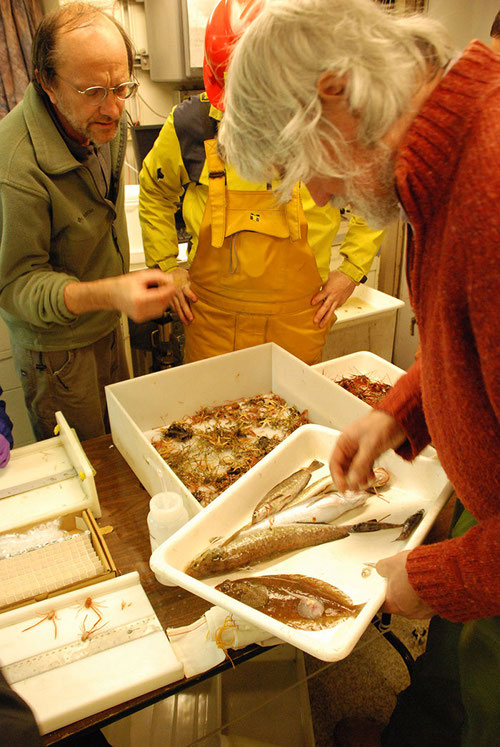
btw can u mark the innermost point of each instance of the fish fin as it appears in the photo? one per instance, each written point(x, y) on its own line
point(315, 464)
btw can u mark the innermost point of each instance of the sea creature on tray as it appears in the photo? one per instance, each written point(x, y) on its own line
point(410, 524)
point(322, 508)
point(375, 525)
point(260, 545)
point(284, 492)
point(299, 601)
point(365, 388)
point(211, 449)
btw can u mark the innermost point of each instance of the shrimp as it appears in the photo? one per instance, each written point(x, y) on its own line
point(87, 633)
point(89, 604)
point(52, 615)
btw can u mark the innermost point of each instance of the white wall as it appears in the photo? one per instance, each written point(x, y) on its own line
point(465, 19)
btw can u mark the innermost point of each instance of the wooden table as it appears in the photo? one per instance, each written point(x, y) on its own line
point(125, 505)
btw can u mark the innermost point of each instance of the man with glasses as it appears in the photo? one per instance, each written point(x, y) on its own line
point(64, 254)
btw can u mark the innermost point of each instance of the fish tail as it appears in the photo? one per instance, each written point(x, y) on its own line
point(315, 464)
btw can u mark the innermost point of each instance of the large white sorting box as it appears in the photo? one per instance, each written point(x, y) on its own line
point(139, 405)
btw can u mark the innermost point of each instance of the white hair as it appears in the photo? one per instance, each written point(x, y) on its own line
point(273, 112)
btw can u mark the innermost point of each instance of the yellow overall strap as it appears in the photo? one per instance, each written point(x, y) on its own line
point(216, 192)
point(293, 214)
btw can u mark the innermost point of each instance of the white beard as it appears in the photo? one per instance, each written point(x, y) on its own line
point(371, 192)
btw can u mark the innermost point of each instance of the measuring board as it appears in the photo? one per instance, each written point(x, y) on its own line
point(128, 654)
point(41, 482)
point(95, 643)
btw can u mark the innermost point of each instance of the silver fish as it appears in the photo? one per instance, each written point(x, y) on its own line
point(320, 509)
point(263, 544)
point(284, 492)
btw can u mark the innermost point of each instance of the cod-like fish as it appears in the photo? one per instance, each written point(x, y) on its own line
point(262, 544)
point(320, 509)
point(284, 492)
point(299, 601)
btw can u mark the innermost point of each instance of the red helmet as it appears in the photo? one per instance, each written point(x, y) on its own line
point(228, 21)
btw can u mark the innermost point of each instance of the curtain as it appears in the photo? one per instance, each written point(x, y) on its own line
point(18, 21)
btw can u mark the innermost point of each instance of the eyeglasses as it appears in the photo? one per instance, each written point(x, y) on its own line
point(95, 95)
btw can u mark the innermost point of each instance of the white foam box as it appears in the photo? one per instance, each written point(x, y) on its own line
point(421, 484)
point(139, 405)
point(64, 677)
point(367, 321)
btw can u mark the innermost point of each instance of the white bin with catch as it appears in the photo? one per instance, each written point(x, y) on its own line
point(345, 563)
point(139, 406)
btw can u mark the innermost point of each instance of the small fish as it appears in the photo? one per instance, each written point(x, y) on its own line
point(320, 486)
point(410, 524)
point(372, 525)
point(284, 492)
point(262, 544)
point(320, 509)
point(299, 601)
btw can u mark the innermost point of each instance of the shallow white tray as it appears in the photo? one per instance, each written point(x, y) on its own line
point(422, 484)
point(65, 679)
point(369, 364)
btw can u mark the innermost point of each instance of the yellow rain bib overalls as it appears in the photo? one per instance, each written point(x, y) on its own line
point(252, 256)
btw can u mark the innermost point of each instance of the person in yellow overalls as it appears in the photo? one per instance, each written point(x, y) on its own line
point(258, 271)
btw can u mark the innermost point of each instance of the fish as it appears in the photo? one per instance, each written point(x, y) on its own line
point(284, 492)
point(374, 525)
point(299, 601)
point(262, 544)
point(410, 524)
point(320, 509)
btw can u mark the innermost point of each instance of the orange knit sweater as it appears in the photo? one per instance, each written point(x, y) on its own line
point(448, 180)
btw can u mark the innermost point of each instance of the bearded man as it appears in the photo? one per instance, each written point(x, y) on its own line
point(377, 109)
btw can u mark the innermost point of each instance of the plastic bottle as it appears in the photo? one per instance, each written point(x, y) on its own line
point(167, 514)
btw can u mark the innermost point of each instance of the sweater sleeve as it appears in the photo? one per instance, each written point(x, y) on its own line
point(459, 577)
point(30, 288)
point(404, 402)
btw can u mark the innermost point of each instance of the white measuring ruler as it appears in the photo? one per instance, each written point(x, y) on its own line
point(99, 641)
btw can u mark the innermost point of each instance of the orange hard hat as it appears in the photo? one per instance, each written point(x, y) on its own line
point(228, 21)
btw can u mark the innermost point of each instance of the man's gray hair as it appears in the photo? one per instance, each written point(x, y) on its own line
point(273, 113)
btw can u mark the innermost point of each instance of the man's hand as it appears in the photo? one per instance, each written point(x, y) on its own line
point(351, 463)
point(332, 294)
point(141, 295)
point(401, 598)
point(184, 296)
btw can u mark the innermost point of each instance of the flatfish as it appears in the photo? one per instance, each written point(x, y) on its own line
point(299, 601)
point(263, 544)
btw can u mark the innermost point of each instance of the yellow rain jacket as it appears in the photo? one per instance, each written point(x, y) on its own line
point(254, 264)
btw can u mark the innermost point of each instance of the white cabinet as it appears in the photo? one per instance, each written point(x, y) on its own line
point(13, 393)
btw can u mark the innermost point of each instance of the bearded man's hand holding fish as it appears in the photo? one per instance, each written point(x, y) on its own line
point(401, 598)
point(362, 442)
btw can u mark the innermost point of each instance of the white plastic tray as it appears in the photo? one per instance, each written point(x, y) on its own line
point(64, 679)
point(369, 364)
point(44, 461)
point(422, 484)
point(366, 303)
point(138, 405)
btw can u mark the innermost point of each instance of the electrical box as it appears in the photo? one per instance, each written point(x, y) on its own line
point(176, 35)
